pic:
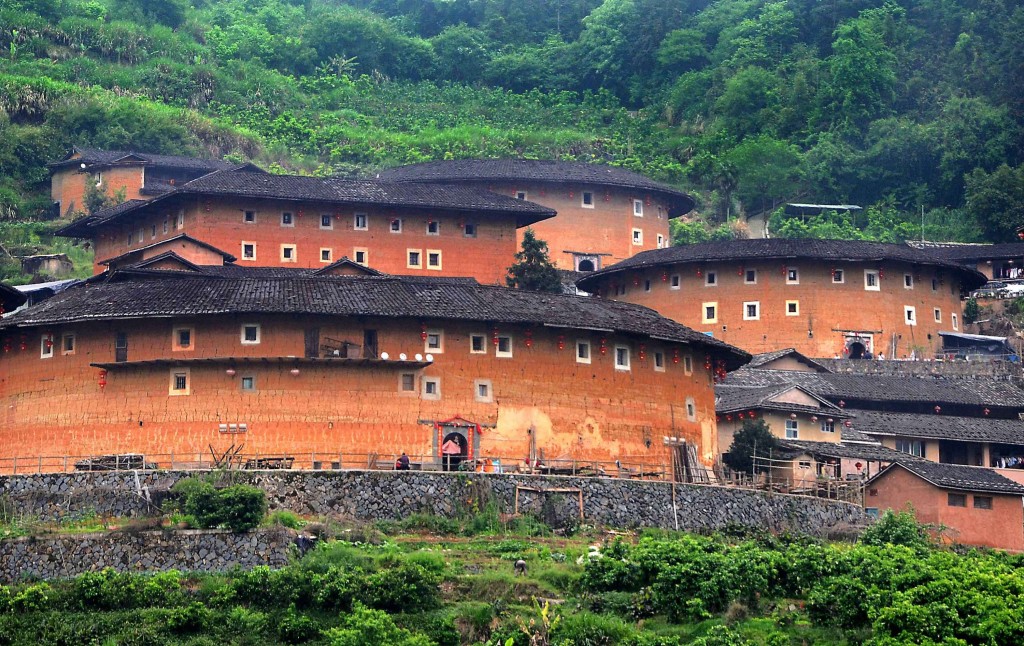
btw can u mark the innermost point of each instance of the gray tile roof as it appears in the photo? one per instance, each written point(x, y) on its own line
point(732, 398)
point(862, 451)
point(167, 243)
point(761, 359)
point(538, 170)
point(96, 156)
point(940, 427)
point(732, 251)
point(10, 298)
point(958, 477)
point(962, 252)
point(131, 294)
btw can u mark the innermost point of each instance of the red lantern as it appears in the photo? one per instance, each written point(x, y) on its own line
point(938, 409)
point(740, 272)
point(842, 404)
point(699, 272)
point(986, 411)
point(664, 279)
point(24, 343)
point(607, 196)
point(707, 362)
point(423, 331)
point(495, 336)
point(848, 424)
point(642, 352)
point(675, 355)
point(739, 415)
point(103, 379)
point(571, 195)
point(529, 339)
point(7, 345)
point(604, 348)
point(728, 418)
point(561, 341)
point(752, 414)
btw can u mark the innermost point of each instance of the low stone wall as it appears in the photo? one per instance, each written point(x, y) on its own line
point(55, 557)
point(384, 495)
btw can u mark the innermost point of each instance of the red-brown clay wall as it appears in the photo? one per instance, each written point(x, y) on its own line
point(607, 228)
point(55, 406)
point(826, 311)
point(67, 186)
point(1001, 527)
point(219, 222)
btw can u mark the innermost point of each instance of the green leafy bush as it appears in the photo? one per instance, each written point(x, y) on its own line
point(897, 528)
point(189, 619)
point(238, 507)
point(367, 627)
point(406, 588)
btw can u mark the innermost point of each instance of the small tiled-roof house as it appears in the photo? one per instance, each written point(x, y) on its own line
point(975, 505)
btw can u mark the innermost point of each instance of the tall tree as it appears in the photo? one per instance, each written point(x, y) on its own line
point(752, 439)
point(533, 269)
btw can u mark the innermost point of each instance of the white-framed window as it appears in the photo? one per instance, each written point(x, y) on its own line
point(395, 226)
point(792, 308)
point(68, 343)
point(661, 241)
point(750, 276)
point(46, 344)
point(433, 228)
point(828, 426)
point(434, 342)
point(638, 208)
point(152, 234)
point(691, 409)
point(483, 390)
point(659, 361)
point(360, 222)
point(838, 276)
point(469, 230)
point(647, 285)
point(711, 279)
point(326, 221)
point(180, 223)
point(582, 351)
point(871, 282)
point(248, 250)
point(956, 322)
point(688, 364)
point(248, 217)
point(250, 333)
point(326, 254)
point(913, 447)
point(477, 344)
point(431, 387)
point(407, 383)
point(587, 199)
point(142, 234)
point(792, 429)
point(247, 383)
point(752, 311)
point(287, 219)
point(182, 339)
point(675, 282)
point(937, 313)
point(621, 357)
point(167, 221)
point(361, 255)
point(180, 382)
point(638, 236)
point(520, 195)
point(910, 315)
point(414, 258)
point(289, 253)
point(709, 312)
point(792, 276)
point(908, 281)
point(434, 259)
point(503, 348)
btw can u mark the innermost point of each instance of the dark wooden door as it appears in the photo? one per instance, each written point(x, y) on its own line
point(121, 347)
point(312, 342)
point(369, 344)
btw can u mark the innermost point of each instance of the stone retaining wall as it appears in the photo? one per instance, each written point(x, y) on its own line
point(383, 495)
point(1001, 370)
point(54, 557)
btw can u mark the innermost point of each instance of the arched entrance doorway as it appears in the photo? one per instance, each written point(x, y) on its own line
point(586, 265)
point(454, 449)
point(856, 350)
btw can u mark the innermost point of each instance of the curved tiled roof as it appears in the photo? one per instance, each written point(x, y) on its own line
point(783, 249)
point(941, 427)
point(957, 476)
point(10, 298)
point(96, 156)
point(966, 252)
point(155, 294)
point(537, 170)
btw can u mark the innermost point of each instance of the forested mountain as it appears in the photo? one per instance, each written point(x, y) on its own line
point(901, 106)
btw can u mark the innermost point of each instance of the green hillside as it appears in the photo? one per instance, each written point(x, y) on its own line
point(905, 106)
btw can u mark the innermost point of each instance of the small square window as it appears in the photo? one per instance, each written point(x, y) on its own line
point(956, 500)
point(477, 344)
point(691, 409)
point(583, 352)
point(68, 344)
point(142, 235)
point(661, 241)
point(908, 281)
point(675, 282)
point(326, 254)
point(752, 311)
point(431, 388)
point(248, 384)
point(838, 276)
point(180, 382)
point(638, 208)
point(711, 278)
point(937, 313)
point(131, 237)
point(504, 347)
point(792, 276)
point(166, 224)
point(360, 256)
point(433, 228)
point(415, 259)
point(287, 219)
point(587, 200)
point(433, 259)
point(792, 429)
point(638, 236)
point(983, 502)
point(248, 251)
point(709, 312)
point(359, 222)
point(181, 220)
point(520, 195)
point(152, 234)
point(687, 364)
point(750, 276)
point(828, 426)
point(935, 284)
point(250, 334)
point(434, 342)
point(407, 382)
point(910, 315)
point(647, 285)
point(289, 253)
point(182, 338)
point(792, 308)
point(621, 357)
point(469, 230)
point(659, 361)
point(326, 221)
point(46, 344)
point(248, 217)
point(482, 390)
point(956, 322)
point(396, 225)
point(871, 280)
point(804, 464)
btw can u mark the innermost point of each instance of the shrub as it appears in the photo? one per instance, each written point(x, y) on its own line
point(285, 518)
point(188, 619)
point(294, 628)
point(406, 588)
point(366, 627)
point(34, 598)
point(588, 629)
point(336, 589)
point(897, 528)
point(238, 507)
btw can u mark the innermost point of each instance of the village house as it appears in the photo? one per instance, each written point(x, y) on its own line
point(332, 365)
point(267, 220)
point(605, 214)
point(971, 505)
point(824, 298)
point(1003, 261)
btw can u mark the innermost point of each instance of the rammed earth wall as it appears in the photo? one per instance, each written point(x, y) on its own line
point(381, 495)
